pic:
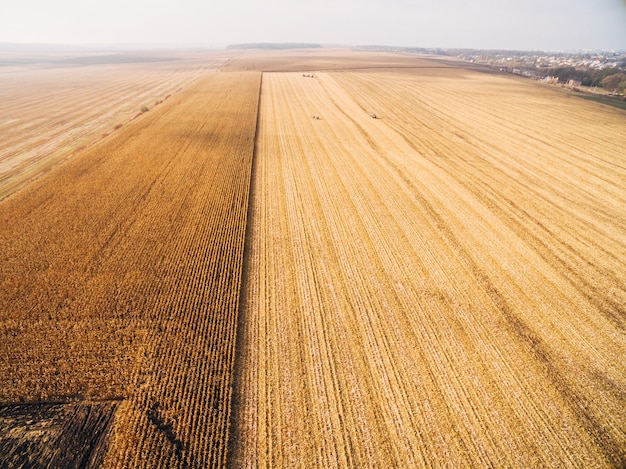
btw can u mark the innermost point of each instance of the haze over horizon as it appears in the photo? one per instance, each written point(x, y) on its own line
point(479, 24)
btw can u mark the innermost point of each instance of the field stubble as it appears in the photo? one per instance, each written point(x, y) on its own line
point(51, 107)
point(443, 285)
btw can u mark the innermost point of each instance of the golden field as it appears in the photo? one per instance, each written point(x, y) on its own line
point(442, 285)
point(54, 105)
point(120, 276)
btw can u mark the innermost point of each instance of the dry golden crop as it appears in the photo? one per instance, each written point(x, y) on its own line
point(56, 104)
point(120, 276)
point(442, 285)
point(434, 275)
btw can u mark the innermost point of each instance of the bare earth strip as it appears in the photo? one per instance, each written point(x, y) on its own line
point(50, 110)
point(441, 286)
point(120, 273)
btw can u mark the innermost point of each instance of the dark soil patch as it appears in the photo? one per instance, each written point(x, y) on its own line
point(54, 435)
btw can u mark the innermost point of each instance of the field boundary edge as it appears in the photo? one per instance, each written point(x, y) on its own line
point(233, 449)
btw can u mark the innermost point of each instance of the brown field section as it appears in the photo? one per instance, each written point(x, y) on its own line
point(55, 435)
point(120, 271)
point(443, 286)
point(326, 59)
point(53, 104)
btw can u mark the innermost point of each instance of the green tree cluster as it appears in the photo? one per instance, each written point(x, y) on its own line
point(615, 82)
point(588, 77)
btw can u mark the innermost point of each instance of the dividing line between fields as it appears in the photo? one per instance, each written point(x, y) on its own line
point(234, 449)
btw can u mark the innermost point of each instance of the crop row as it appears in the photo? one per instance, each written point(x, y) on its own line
point(121, 271)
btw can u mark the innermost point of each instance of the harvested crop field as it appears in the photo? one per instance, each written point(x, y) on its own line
point(443, 285)
point(431, 272)
point(53, 105)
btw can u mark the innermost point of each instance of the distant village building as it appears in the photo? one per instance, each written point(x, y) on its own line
point(574, 82)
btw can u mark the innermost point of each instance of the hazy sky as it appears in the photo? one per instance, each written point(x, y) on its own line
point(494, 24)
